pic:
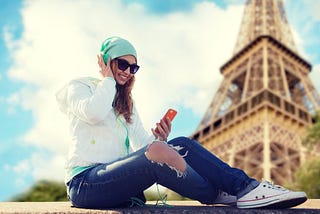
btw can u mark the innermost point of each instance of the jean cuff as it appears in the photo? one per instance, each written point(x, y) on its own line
point(250, 187)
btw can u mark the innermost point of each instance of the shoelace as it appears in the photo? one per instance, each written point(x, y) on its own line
point(272, 185)
point(136, 201)
point(163, 200)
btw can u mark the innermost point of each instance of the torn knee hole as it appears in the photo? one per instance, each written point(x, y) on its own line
point(161, 153)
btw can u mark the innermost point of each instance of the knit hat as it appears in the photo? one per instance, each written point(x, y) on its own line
point(115, 47)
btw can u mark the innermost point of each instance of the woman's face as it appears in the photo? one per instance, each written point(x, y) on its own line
point(121, 77)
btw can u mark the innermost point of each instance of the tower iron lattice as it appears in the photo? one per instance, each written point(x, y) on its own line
point(266, 99)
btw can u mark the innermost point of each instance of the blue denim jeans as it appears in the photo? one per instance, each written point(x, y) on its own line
point(113, 184)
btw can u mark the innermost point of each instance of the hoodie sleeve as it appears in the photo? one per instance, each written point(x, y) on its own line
point(89, 105)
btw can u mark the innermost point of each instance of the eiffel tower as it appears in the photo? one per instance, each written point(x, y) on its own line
point(266, 100)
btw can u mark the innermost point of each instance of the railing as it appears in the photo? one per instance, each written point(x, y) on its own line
point(262, 99)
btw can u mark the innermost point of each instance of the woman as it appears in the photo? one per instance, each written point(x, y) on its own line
point(112, 159)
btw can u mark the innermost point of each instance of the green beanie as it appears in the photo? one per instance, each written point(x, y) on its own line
point(115, 47)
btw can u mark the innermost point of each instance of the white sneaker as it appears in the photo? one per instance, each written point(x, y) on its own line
point(226, 199)
point(267, 195)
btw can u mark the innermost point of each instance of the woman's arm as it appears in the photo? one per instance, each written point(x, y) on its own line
point(91, 106)
point(140, 137)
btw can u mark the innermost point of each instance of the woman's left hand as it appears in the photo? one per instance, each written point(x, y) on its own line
point(105, 69)
point(163, 129)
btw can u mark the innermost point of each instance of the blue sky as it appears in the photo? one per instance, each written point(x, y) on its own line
point(181, 46)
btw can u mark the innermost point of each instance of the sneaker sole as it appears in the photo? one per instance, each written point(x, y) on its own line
point(286, 204)
point(277, 205)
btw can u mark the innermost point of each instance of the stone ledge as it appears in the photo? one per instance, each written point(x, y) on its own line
point(309, 207)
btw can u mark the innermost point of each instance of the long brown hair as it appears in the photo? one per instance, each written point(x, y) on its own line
point(123, 102)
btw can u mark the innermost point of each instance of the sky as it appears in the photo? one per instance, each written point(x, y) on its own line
point(181, 45)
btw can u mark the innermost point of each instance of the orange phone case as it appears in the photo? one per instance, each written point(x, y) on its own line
point(171, 113)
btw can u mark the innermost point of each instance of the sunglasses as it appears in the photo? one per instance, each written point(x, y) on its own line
point(124, 64)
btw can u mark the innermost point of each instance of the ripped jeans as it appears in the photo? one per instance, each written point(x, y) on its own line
point(113, 184)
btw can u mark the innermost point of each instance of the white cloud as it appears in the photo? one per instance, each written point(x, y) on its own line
point(48, 167)
point(39, 166)
point(13, 99)
point(306, 29)
point(22, 170)
point(22, 167)
point(313, 6)
point(305, 25)
point(315, 76)
point(20, 182)
point(6, 167)
point(12, 102)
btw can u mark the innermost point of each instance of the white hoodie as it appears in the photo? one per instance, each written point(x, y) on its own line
point(98, 136)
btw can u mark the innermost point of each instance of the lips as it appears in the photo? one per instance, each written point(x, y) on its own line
point(123, 77)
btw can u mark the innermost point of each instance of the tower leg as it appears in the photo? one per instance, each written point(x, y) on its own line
point(266, 148)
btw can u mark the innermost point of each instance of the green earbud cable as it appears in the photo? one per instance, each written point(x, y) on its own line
point(127, 141)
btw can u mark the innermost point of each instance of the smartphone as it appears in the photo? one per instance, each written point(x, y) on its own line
point(171, 113)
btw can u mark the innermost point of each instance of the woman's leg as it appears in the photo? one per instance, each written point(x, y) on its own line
point(110, 185)
point(250, 193)
point(231, 180)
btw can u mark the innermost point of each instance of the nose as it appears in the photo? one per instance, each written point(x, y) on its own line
point(127, 71)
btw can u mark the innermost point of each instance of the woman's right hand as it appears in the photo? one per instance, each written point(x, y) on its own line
point(105, 70)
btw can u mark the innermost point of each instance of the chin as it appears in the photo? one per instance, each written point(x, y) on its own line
point(121, 82)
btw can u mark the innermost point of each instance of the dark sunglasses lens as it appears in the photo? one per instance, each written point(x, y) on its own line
point(134, 68)
point(123, 64)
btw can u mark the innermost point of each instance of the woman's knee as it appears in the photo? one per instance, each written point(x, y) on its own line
point(162, 153)
point(180, 141)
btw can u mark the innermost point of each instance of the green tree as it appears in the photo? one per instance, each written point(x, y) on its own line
point(308, 174)
point(44, 190)
point(312, 138)
point(308, 177)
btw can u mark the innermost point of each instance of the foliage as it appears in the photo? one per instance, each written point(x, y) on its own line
point(308, 177)
point(308, 174)
point(313, 133)
point(44, 190)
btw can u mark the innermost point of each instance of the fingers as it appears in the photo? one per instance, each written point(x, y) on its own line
point(105, 69)
point(101, 64)
point(163, 129)
point(100, 61)
point(155, 133)
point(166, 125)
